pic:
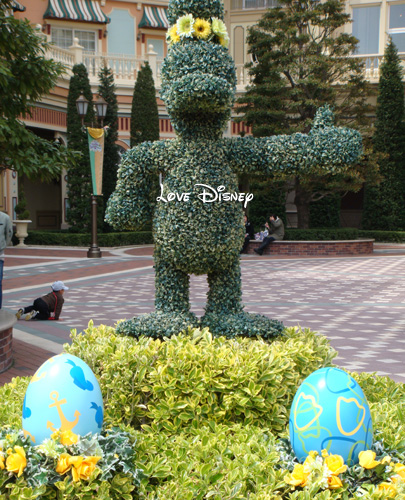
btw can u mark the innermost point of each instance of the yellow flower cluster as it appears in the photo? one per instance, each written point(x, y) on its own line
point(325, 469)
point(188, 27)
point(367, 461)
point(81, 467)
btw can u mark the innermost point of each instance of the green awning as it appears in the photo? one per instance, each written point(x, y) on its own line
point(17, 6)
point(154, 17)
point(76, 10)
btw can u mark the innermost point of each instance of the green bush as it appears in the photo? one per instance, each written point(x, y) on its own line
point(384, 236)
point(83, 240)
point(194, 377)
point(321, 234)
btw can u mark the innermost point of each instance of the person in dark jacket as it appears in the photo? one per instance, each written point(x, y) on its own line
point(47, 307)
point(249, 234)
point(276, 232)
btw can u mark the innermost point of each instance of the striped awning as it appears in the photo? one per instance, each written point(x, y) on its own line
point(76, 10)
point(17, 6)
point(154, 17)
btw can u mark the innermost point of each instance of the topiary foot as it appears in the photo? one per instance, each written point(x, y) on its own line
point(242, 324)
point(158, 324)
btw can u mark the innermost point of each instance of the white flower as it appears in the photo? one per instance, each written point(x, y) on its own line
point(218, 28)
point(185, 26)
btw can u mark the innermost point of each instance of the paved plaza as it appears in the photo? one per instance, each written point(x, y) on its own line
point(357, 302)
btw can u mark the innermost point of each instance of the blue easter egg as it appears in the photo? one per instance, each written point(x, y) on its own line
point(330, 411)
point(63, 395)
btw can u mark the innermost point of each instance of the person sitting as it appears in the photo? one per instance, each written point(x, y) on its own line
point(276, 232)
point(249, 234)
point(47, 307)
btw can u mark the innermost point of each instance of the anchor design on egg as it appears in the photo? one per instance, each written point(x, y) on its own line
point(66, 425)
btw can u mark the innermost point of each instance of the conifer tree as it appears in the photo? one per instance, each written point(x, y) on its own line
point(300, 55)
point(111, 153)
point(79, 175)
point(384, 206)
point(144, 114)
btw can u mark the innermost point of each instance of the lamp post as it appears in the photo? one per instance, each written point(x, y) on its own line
point(94, 134)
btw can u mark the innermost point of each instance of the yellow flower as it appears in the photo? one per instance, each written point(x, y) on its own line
point(298, 476)
point(2, 462)
point(366, 459)
point(68, 437)
point(335, 464)
point(84, 467)
point(389, 489)
point(334, 482)
point(400, 470)
point(173, 35)
point(55, 435)
point(202, 28)
point(224, 41)
point(386, 460)
point(64, 464)
point(17, 462)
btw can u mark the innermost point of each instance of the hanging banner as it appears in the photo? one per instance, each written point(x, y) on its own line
point(96, 148)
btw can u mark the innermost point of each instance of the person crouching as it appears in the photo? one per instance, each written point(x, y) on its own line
point(47, 307)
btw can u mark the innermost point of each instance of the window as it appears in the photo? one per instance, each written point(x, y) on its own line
point(396, 28)
point(366, 28)
point(253, 4)
point(158, 47)
point(63, 38)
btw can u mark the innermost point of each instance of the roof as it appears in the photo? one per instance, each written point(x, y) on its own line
point(17, 6)
point(76, 10)
point(154, 17)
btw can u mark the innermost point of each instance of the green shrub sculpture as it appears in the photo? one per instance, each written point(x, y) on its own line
point(194, 234)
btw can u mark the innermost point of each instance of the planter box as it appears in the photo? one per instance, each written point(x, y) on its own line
point(315, 248)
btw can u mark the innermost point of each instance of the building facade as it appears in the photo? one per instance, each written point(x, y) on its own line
point(124, 34)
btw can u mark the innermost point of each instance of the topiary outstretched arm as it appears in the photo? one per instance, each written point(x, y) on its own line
point(326, 149)
point(130, 206)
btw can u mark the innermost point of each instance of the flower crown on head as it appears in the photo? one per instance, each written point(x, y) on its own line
point(201, 29)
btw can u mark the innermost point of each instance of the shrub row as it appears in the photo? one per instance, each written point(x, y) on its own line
point(384, 236)
point(146, 237)
point(83, 240)
point(321, 234)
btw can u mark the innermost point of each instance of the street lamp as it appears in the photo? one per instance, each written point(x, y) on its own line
point(101, 109)
point(96, 147)
point(82, 104)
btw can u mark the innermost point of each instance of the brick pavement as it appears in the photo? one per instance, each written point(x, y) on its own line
point(358, 302)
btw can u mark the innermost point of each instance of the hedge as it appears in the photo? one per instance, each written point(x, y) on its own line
point(321, 234)
point(82, 240)
point(384, 236)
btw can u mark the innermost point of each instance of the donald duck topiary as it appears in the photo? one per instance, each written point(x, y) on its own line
point(198, 217)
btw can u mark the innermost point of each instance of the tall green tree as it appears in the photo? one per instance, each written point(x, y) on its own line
point(144, 113)
point(79, 176)
point(25, 76)
point(303, 62)
point(384, 206)
point(106, 90)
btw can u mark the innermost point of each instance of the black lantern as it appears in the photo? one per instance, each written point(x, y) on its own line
point(101, 109)
point(82, 104)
